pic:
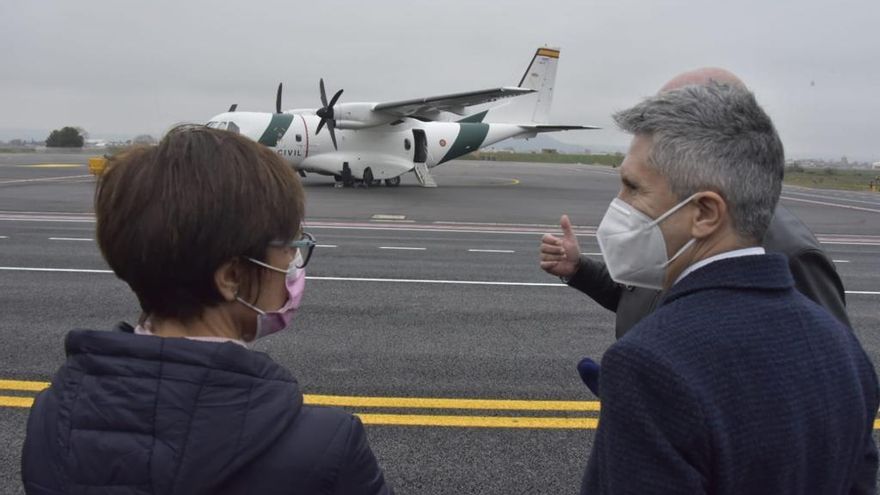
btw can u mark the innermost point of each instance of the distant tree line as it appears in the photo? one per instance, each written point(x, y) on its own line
point(66, 137)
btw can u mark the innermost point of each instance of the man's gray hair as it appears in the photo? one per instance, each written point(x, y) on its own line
point(714, 137)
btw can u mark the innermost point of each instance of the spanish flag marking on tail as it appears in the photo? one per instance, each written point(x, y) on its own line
point(548, 52)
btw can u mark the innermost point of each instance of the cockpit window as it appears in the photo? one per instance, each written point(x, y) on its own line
point(233, 127)
point(219, 125)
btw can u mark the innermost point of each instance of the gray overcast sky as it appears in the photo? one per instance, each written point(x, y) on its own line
point(116, 67)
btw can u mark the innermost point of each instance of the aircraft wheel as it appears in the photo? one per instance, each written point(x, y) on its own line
point(368, 177)
point(392, 182)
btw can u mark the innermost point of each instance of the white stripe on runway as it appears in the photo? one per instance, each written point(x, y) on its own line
point(491, 251)
point(840, 261)
point(403, 248)
point(326, 245)
point(44, 179)
point(70, 239)
point(442, 282)
point(56, 270)
point(357, 279)
point(825, 203)
point(838, 197)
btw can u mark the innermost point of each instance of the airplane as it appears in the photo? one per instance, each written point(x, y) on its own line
point(366, 143)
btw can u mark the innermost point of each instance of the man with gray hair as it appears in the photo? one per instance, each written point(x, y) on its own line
point(737, 383)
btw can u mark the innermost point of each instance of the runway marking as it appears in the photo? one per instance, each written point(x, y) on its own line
point(22, 385)
point(840, 261)
point(480, 421)
point(44, 179)
point(403, 248)
point(445, 403)
point(364, 279)
point(7, 401)
point(442, 282)
point(58, 270)
point(70, 239)
point(53, 165)
point(490, 251)
point(842, 197)
point(825, 203)
point(4, 237)
point(415, 228)
point(380, 419)
point(326, 245)
point(394, 402)
point(524, 422)
point(462, 227)
point(380, 216)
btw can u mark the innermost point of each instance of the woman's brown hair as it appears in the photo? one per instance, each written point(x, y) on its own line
point(168, 216)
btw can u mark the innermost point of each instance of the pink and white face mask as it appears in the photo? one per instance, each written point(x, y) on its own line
point(269, 322)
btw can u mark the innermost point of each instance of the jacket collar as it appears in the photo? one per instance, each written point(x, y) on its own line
point(220, 356)
point(762, 272)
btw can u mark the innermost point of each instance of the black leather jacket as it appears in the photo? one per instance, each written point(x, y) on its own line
point(814, 275)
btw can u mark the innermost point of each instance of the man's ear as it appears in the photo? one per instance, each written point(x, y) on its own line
point(711, 214)
point(228, 279)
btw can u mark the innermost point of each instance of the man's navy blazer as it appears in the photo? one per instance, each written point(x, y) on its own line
point(736, 384)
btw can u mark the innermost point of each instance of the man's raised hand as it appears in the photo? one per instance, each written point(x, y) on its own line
point(560, 256)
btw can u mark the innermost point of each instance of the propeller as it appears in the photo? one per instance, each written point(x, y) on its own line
point(278, 100)
point(326, 113)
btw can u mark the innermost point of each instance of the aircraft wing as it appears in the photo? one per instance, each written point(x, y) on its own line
point(454, 103)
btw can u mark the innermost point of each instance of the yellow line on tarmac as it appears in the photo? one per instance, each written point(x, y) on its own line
point(23, 385)
point(397, 402)
point(412, 403)
point(479, 421)
point(432, 403)
point(53, 165)
point(7, 401)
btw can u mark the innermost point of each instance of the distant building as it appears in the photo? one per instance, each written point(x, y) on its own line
point(548, 151)
point(876, 166)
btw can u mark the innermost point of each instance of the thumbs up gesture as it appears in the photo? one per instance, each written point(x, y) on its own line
point(560, 256)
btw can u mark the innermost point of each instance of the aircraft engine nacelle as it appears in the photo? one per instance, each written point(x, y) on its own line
point(359, 116)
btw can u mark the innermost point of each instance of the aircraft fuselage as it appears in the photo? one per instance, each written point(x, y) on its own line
point(388, 151)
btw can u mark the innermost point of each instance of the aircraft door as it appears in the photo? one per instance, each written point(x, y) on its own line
point(420, 155)
point(300, 139)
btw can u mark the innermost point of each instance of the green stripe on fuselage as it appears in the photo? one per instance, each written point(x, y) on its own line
point(470, 137)
point(277, 127)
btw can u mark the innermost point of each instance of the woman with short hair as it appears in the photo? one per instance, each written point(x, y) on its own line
point(206, 229)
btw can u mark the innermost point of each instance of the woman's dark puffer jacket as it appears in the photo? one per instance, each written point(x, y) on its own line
point(134, 414)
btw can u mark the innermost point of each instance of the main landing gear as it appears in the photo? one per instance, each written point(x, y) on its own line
point(346, 179)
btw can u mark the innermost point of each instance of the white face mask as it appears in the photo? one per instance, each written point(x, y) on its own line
point(633, 246)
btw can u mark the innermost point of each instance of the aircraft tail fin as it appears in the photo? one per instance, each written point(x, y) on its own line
point(534, 107)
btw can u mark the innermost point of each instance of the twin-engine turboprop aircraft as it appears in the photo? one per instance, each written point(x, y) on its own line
point(370, 142)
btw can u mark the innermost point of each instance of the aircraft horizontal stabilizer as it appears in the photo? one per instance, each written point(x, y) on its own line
point(455, 102)
point(557, 128)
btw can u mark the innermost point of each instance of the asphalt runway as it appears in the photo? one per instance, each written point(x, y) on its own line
point(413, 293)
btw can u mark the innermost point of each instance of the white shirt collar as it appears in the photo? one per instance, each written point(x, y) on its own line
point(736, 253)
point(144, 329)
